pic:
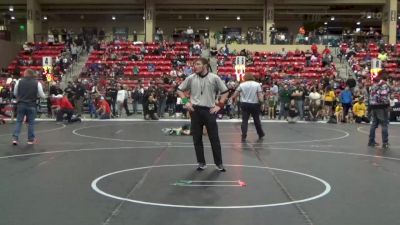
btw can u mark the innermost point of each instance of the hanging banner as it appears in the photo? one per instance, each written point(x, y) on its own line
point(240, 67)
point(47, 63)
point(376, 67)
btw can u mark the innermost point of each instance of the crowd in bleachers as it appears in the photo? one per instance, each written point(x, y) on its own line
point(123, 77)
point(31, 57)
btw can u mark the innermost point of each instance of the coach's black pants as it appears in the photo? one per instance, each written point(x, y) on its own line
point(200, 117)
point(253, 110)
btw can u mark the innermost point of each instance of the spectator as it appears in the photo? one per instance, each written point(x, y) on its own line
point(351, 83)
point(379, 103)
point(293, 113)
point(151, 112)
point(308, 58)
point(80, 93)
point(339, 113)
point(104, 110)
point(111, 97)
point(284, 98)
point(346, 98)
point(26, 92)
point(122, 101)
point(65, 107)
point(360, 111)
point(298, 97)
point(329, 98)
point(137, 97)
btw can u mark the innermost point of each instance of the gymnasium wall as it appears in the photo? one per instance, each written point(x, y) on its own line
point(9, 51)
point(167, 25)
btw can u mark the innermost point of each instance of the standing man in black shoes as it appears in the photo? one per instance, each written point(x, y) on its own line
point(379, 102)
point(204, 88)
point(251, 103)
point(27, 91)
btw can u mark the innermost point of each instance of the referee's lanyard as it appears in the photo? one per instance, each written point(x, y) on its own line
point(202, 82)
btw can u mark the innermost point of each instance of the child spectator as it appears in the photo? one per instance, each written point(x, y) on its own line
point(360, 111)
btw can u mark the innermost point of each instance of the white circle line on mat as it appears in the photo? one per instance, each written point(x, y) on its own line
point(41, 131)
point(186, 146)
point(320, 195)
point(361, 130)
point(75, 132)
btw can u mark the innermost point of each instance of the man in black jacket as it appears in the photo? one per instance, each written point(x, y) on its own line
point(111, 97)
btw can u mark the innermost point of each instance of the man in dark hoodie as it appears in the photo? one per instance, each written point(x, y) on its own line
point(379, 102)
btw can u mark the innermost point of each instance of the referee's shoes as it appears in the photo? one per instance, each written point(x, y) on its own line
point(203, 166)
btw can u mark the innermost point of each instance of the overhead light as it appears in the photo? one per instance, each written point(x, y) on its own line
point(332, 18)
point(238, 17)
point(398, 18)
point(369, 16)
point(11, 9)
point(207, 17)
point(113, 18)
point(13, 17)
point(144, 18)
point(358, 23)
point(45, 17)
point(326, 23)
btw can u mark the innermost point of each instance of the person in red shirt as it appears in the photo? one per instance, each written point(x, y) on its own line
point(104, 110)
point(314, 49)
point(55, 106)
point(326, 51)
point(67, 108)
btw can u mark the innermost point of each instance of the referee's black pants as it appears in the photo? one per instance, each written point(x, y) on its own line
point(252, 109)
point(200, 117)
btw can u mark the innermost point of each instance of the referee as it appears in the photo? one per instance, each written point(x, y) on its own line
point(204, 88)
point(251, 101)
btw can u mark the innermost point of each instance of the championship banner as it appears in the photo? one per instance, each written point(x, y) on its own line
point(376, 67)
point(240, 67)
point(47, 63)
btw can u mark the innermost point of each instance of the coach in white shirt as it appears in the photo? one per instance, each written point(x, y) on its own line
point(251, 100)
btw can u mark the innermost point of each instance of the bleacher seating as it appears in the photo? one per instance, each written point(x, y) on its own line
point(276, 62)
point(391, 66)
point(161, 61)
point(39, 50)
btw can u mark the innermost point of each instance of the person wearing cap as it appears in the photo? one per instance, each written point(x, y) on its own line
point(27, 91)
point(360, 111)
point(251, 101)
point(204, 89)
point(379, 103)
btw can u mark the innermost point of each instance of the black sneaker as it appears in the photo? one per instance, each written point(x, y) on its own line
point(221, 168)
point(261, 137)
point(372, 144)
point(201, 167)
point(385, 146)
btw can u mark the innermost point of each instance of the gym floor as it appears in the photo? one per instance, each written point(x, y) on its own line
point(129, 172)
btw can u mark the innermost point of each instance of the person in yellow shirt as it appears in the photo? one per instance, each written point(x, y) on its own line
point(383, 56)
point(339, 112)
point(329, 97)
point(360, 111)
